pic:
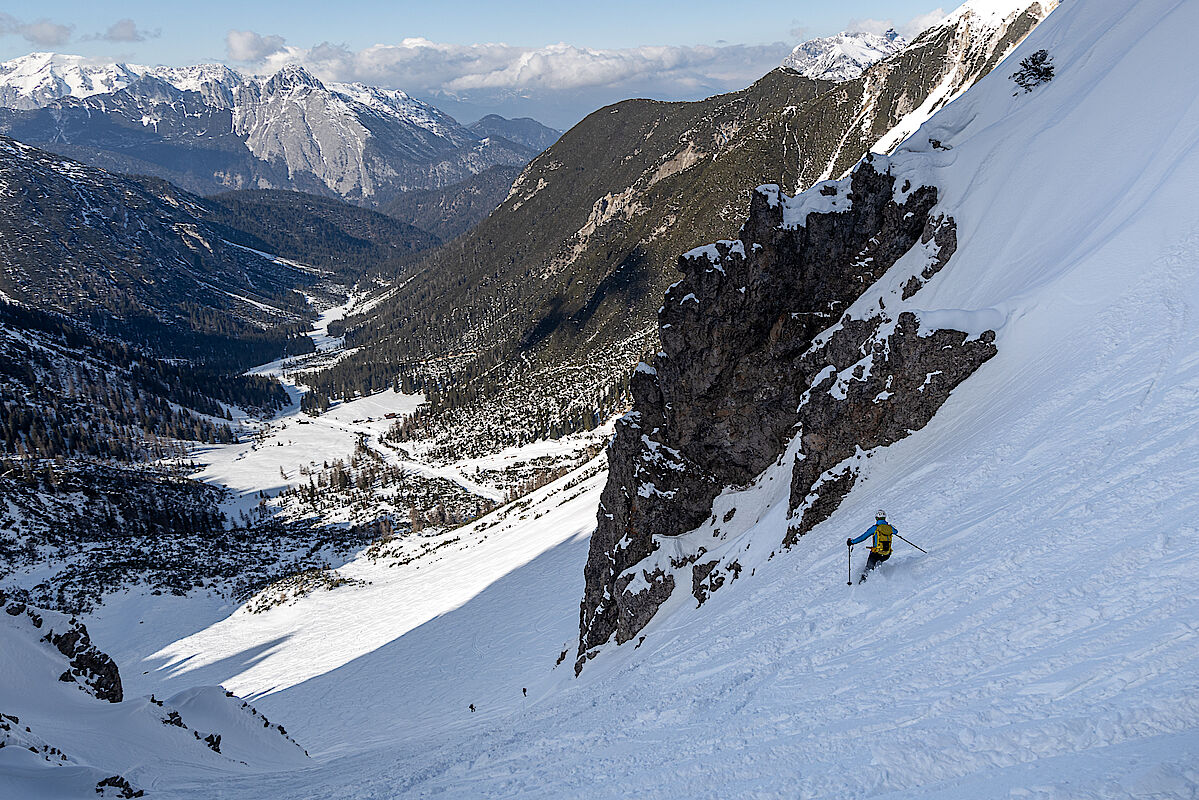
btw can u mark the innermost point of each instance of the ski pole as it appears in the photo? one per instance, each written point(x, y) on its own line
point(918, 547)
point(850, 581)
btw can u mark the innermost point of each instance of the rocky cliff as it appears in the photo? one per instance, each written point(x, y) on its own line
point(778, 344)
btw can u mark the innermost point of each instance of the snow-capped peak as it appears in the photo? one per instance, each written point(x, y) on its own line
point(399, 104)
point(292, 76)
point(40, 78)
point(195, 78)
point(843, 57)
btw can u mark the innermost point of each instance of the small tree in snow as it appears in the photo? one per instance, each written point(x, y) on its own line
point(1034, 70)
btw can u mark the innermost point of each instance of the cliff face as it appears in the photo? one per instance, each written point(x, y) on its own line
point(762, 356)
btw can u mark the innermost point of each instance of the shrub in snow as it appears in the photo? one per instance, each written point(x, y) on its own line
point(1034, 70)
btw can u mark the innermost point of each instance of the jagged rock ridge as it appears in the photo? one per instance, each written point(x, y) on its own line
point(93, 670)
point(760, 350)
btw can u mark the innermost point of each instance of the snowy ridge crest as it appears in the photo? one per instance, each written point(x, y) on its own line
point(843, 57)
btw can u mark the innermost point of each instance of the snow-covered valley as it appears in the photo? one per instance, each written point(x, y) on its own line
point(1044, 647)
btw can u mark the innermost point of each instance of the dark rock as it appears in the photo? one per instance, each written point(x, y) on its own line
point(701, 573)
point(122, 786)
point(911, 376)
point(94, 669)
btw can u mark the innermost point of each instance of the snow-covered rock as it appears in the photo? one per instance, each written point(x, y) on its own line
point(844, 56)
point(38, 79)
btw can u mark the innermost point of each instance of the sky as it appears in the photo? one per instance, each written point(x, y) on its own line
point(555, 62)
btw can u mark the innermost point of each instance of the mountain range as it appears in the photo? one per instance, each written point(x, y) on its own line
point(208, 129)
point(984, 335)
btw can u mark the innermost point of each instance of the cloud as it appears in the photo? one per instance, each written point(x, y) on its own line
point(126, 30)
point(909, 30)
point(875, 26)
point(916, 25)
point(42, 32)
point(250, 46)
point(418, 64)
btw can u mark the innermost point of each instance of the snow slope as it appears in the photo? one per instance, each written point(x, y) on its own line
point(973, 18)
point(60, 741)
point(1046, 647)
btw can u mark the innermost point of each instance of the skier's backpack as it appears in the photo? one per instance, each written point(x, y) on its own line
point(882, 539)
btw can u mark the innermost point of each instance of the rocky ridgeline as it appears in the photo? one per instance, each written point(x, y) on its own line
point(93, 670)
point(759, 355)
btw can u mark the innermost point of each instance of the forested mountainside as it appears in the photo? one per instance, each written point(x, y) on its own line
point(209, 129)
point(551, 299)
point(319, 231)
point(139, 261)
point(67, 392)
point(128, 312)
point(451, 211)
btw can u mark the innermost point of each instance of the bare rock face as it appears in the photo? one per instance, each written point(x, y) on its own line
point(758, 348)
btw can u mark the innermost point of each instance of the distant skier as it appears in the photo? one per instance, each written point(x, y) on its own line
point(472, 708)
point(880, 548)
point(526, 691)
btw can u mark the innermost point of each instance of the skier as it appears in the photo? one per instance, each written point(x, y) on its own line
point(880, 548)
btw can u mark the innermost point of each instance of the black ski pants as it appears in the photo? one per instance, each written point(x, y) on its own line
point(873, 561)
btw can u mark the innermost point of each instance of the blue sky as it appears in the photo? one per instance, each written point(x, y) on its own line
point(559, 60)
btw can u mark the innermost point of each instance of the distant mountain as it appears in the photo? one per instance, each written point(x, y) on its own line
point(209, 129)
point(546, 304)
point(38, 79)
point(844, 56)
point(526, 131)
point(451, 211)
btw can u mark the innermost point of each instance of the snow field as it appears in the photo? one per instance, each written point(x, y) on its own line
point(100, 739)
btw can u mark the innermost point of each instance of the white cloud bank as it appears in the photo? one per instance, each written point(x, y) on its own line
point(424, 65)
point(558, 83)
point(570, 80)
